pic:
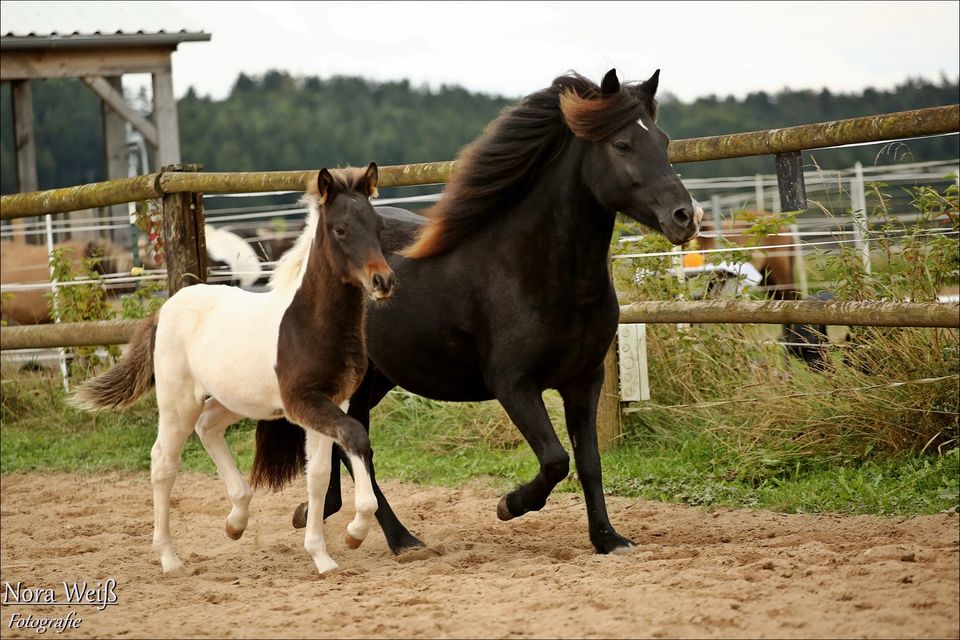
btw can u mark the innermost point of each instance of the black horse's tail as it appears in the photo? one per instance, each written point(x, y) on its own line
point(279, 454)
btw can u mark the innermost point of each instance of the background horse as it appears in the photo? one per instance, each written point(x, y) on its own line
point(504, 287)
point(218, 354)
point(226, 251)
point(30, 263)
point(775, 266)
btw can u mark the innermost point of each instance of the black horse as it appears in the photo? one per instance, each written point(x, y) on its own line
point(504, 290)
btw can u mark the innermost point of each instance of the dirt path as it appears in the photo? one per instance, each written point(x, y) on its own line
point(728, 573)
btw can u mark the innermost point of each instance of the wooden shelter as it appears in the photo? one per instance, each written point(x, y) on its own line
point(31, 48)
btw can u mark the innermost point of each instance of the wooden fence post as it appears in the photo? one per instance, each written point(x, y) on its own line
point(609, 426)
point(184, 246)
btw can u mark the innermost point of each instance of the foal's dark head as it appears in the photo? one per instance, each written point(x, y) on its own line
point(626, 165)
point(349, 229)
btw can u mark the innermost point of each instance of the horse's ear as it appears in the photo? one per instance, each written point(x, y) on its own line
point(324, 186)
point(650, 84)
point(370, 180)
point(610, 83)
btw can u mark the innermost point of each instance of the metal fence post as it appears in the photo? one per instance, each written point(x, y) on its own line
point(793, 193)
point(858, 206)
point(184, 245)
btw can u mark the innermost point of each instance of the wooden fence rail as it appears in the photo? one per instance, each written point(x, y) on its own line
point(876, 314)
point(879, 128)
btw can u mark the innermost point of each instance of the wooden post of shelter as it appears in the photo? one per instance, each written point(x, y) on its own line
point(25, 145)
point(36, 49)
point(184, 246)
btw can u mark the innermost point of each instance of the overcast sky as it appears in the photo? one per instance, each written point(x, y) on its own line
point(515, 48)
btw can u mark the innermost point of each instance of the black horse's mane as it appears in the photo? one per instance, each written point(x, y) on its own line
point(498, 168)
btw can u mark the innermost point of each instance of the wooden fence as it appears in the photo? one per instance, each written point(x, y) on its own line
point(181, 188)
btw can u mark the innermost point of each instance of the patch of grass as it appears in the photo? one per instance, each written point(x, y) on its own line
point(684, 464)
point(421, 441)
point(41, 432)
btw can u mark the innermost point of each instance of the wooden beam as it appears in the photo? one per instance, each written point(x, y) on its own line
point(853, 314)
point(24, 145)
point(113, 98)
point(77, 63)
point(75, 334)
point(165, 115)
point(115, 121)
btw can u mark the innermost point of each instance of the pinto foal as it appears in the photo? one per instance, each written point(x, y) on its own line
point(218, 354)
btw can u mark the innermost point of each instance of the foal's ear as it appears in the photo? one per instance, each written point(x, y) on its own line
point(324, 185)
point(650, 84)
point(370, 180)
point(610, 83)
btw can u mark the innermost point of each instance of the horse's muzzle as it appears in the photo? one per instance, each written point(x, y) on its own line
point(383, 283)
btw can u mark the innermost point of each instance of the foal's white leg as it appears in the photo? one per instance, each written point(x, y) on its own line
point(211, 426)
point(319, 448)
point(365, 502)
point(176, 424)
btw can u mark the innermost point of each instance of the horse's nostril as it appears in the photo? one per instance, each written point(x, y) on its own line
point(378, 282)
point(682, 217)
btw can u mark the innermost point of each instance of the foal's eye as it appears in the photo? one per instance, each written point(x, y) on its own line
point(621, 146)
point(339, 232)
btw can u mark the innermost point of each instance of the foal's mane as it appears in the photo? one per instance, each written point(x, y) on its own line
point(292, 263)
point(496, 170)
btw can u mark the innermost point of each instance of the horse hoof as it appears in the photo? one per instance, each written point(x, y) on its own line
point(179, 571)
point(405, 543)
point(419, 553)
point(300, 516)
point(503, 512)
point(614, 544)
point(352, 542)
point(232, 533)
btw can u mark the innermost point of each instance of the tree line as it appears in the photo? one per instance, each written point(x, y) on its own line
point(277, 121)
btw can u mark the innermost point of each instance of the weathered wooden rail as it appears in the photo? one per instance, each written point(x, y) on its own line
point(870, 314)
point(181, 188)
point(879, 128)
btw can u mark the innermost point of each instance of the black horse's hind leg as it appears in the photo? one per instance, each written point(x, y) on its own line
point(524, 405)
point(580, 408)
point(370, 392)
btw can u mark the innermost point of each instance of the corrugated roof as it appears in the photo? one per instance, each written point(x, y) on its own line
point(64, 23)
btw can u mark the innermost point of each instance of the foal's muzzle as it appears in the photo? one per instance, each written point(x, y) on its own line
point(379, 280)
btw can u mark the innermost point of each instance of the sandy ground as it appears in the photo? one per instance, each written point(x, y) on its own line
point(725, 573)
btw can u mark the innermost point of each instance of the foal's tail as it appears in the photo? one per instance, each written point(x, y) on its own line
point(128, 380)
point(279, 454)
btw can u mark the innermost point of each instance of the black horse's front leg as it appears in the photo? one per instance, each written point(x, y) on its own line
point(524, 405)
point(580, 408)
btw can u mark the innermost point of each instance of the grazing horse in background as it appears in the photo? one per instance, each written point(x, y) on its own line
point(504, 287)
point(774, 266)
point(218, 354)
point(30, 263)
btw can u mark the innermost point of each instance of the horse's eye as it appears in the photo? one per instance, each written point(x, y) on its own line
point(621, 146)
point(339, 232)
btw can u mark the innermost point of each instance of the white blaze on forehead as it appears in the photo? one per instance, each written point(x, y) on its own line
point(640, 122)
